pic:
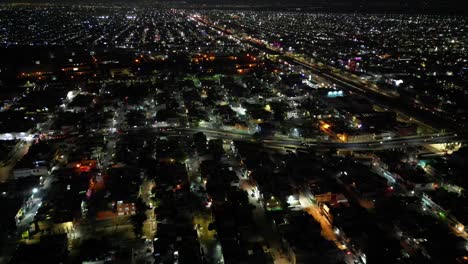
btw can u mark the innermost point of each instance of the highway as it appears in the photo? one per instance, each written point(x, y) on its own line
point(435, 120)
point(298, 143)
point(423, 117)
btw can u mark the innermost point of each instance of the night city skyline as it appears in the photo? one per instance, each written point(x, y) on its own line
point(282, 132)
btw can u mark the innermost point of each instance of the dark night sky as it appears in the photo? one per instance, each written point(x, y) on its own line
point(397, 6)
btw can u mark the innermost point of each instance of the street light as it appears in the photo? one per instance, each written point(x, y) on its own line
point(34, 190)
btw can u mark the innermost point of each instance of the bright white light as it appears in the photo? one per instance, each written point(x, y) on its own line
point(35, 190)
point(291, 199)
point(70, 95)
point(398, 82)
point(239, 110)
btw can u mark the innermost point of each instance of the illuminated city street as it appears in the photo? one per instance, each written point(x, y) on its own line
point(216, 132)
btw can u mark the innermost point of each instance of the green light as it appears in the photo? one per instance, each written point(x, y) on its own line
point(25, 235)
